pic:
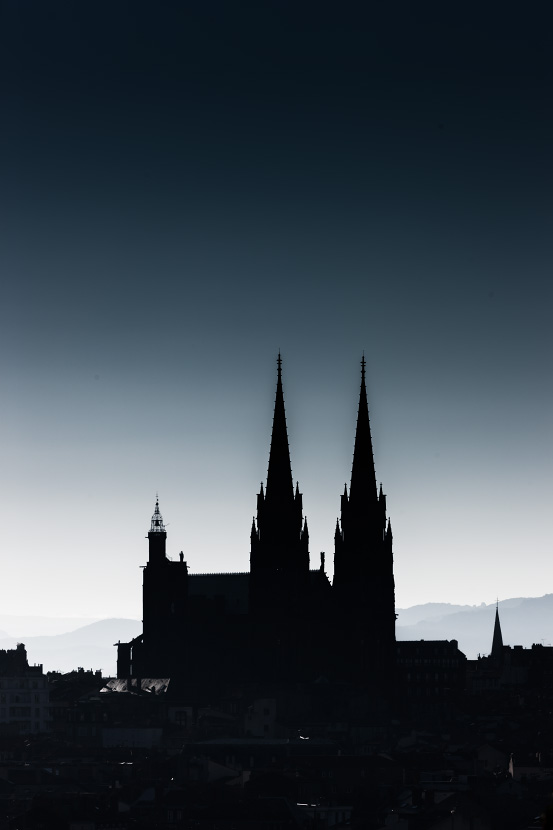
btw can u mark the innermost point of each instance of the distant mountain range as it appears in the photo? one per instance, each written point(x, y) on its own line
point(524, 621)
point(89, 647)
point(64, 643)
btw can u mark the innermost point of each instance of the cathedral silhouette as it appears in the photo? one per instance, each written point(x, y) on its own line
point(282, 622)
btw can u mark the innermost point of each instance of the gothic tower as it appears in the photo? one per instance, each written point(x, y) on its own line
point(279, 561)
point(363, 562)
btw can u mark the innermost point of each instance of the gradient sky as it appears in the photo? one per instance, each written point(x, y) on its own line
point(188, 187)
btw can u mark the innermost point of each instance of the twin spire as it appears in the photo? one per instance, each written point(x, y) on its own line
point(279, 558)
point(279, 473)
point(363, 478)
point(363, 496)
point(280, 520)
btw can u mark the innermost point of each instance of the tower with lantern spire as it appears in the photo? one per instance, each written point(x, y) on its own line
point(161, 647)
point(164, 590)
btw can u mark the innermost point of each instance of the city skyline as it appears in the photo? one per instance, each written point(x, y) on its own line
point(184, 194)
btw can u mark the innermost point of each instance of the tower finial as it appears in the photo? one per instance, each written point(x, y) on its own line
point(279, 365)
point(363, 364)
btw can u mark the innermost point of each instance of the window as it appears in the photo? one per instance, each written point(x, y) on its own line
point(181, 717)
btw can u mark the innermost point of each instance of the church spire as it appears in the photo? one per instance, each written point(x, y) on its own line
point(279, 557)
point(363, 478)
point(279, 473)
point(363, 559)
point(497, 642)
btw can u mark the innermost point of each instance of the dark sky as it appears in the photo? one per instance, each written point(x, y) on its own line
point(188, 187)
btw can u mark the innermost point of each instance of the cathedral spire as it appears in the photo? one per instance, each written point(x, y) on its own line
point(279, 473)
point(363, 559)
point(497, 642)
point(363, 478)
point(279, 557)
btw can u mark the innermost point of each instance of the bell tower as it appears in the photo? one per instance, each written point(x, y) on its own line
point(164, 603)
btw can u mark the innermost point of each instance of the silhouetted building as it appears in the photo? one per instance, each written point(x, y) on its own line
point(164, 607)
point(430, 671)
point(23, 693)
point(282, 621)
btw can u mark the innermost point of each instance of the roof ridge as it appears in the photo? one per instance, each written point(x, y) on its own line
point(220, 573)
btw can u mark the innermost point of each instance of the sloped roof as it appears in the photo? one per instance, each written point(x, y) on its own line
point(151, 685)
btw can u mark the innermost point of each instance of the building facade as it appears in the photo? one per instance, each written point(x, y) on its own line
point(24, 697)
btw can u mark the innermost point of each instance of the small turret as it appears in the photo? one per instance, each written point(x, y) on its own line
point(157, 525)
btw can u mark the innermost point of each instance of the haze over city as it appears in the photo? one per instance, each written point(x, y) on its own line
point(185, 191)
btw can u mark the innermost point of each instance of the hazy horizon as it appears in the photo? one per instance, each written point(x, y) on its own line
point(61, 647)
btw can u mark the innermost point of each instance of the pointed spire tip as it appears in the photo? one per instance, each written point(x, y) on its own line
point(279, 472)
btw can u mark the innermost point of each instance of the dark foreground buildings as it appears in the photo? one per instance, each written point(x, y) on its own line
point(283, 621)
